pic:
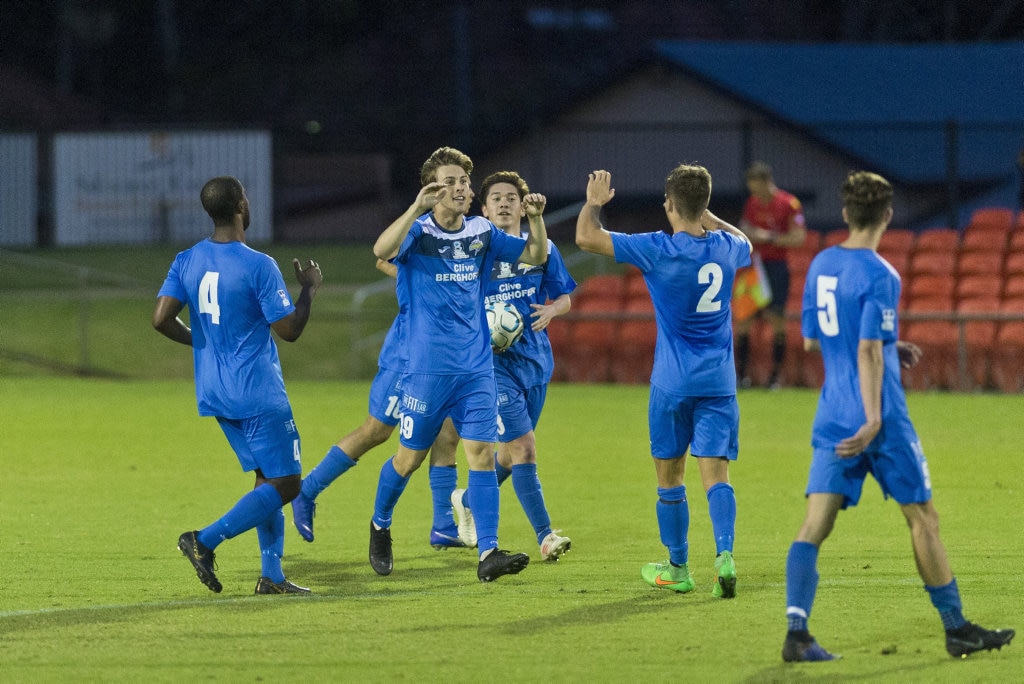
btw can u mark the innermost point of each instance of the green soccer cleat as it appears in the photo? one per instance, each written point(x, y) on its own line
point(725, 576)
point(668, 576)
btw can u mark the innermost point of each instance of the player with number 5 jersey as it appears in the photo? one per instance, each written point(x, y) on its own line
point(689, 274)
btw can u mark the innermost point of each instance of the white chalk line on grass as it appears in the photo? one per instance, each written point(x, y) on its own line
point(201, 602)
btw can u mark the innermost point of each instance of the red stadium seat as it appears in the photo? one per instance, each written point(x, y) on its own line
point(938, 368)
point(897, 259)
point(595, 325)
point(983, 263)
point(979, 285)
point(1014, 286)
point(1014, 264)
point(1008, 357)
point(935, 263)
point(937, 240)
point(608, 287)
point(983, 239)
point(930, 304)
point(991, 218)
point(634, 354)
point(929, 285)
point(560, 335)
point(1015, 244)
point(979, 339)
point(897, 240)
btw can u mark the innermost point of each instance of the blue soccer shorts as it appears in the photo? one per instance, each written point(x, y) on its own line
point(900, 469)
point(385, 396)
point(470, 400)
point(518, 409)
point(707, 426)
point(269, 442)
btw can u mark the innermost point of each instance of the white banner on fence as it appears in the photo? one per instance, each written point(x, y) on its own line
point(130, 187)
point(18, 207)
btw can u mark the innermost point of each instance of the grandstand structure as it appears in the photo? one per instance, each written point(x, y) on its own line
point(962, 302)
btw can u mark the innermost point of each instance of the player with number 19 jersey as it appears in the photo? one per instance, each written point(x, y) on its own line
point(441, 274)
point(693, 355)
point(237, 369)
point(852, 295)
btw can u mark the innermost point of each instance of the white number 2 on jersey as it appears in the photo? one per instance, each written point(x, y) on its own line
point(208, 296)
point(710, 274)
point(828, 319)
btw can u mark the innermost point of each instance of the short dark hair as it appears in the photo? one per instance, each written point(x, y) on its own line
point(689, 188)
point(866, 197)
point(444, 156)
point(510, 177)
point(759, 171)
point(220, 197)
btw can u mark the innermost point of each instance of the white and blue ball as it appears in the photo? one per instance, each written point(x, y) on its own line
point(506, 324)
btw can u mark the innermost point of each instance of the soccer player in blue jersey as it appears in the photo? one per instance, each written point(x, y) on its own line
point(539, 292)
point(862, 425)
point(443, 258)
point(385, 393)
point(236, 296)
point(689, 274)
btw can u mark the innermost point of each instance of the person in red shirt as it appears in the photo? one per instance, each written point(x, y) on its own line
point(773, 219)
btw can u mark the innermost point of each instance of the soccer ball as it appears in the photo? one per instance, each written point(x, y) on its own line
point(505, 323)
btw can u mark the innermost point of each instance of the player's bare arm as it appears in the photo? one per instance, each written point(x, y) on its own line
point(711, 222)
point(387, 268)
point(870, 368)
point(390, 240)
point(536, 250)
point(167, 323)
point(291, 326)
point(590, 234)
point(544, 313)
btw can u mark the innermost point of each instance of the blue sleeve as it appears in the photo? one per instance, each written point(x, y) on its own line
point(172, 286)
point(557, 280)
point(272, 292)
point(505, 247)
point(878, 317)
point(630, 249)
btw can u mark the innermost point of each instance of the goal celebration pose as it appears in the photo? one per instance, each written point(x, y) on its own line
point(692, 403)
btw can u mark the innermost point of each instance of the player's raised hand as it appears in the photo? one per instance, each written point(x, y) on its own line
point(429, 195)
point(308, 275)
point(534, 204)
point(599, 188)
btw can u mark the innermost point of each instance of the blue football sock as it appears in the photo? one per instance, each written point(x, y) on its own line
point(500, 471)
point(270, 533)
point(483, 495)
point(946, 600)
point(674, 522)
point(722, 509)
point(531, 497)
point(389, 489)
point(443, 480)
point(250, 511)
point(333, 466)
point(801, 584)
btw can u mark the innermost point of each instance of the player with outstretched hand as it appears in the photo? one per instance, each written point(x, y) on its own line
point(862, 424)
point(692, 404)
point(443, 257)
point(236, 296)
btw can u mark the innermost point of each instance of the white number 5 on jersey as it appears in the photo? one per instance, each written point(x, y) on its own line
point(208, 296)
point(828, 318)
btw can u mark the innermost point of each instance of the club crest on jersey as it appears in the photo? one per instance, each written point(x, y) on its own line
point(888, 320)
point(505, 270)
point(284, 297)
point(458, 252)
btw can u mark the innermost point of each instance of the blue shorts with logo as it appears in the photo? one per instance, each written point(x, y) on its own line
point(900, 469)
point(518, 409)
point(470, 400)
point(268, 442)
point(707, 426)
point(386, 396)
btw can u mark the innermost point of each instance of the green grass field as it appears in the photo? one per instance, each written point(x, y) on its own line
point(99, 478)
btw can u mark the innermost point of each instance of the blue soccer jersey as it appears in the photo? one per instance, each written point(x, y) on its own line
point(233, 294)
point(441, 276)
point(690, 280)
point(851, 295)
point(529, 361)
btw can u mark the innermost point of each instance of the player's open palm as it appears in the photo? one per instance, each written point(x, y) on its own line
point(599, 188)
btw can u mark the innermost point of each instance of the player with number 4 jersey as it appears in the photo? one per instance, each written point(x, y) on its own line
point(689, 274)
